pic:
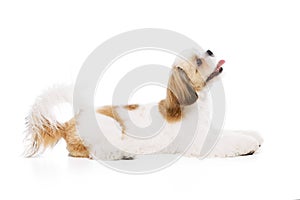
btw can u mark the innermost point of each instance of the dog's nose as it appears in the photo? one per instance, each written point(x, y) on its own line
point(210, 53)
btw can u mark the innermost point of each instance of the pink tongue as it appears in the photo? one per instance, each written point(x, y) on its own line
point(220, 63)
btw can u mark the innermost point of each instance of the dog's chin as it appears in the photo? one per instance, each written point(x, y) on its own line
point(200, 87)
point(214, 80)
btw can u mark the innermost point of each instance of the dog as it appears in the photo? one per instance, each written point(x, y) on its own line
point(186, 103)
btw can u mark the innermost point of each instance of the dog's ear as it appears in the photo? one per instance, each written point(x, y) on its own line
point(180, 85)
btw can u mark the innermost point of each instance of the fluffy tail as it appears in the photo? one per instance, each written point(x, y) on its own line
point(43, 128)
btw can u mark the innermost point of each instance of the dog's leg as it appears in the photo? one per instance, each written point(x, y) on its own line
point(75, 145)
point(236, 143)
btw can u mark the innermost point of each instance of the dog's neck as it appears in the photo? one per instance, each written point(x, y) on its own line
point(171, 109)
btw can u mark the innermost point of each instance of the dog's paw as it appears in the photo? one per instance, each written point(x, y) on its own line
point(253, 134)
point(112, 155)
point(235, 144)
point(128, 157)
point(249, 133)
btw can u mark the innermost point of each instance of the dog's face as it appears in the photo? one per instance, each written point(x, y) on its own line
point(200, 67)
point(191, 72)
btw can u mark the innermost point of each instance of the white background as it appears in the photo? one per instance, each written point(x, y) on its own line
point(46, 43)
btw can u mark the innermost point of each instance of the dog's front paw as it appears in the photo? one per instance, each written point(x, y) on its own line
point(235, 144)
point(253, 134)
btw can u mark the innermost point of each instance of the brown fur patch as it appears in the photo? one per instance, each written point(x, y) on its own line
point(110, 111)
point(42, 137)
point(170, 108)
point(75, 145)
point(131, 106)
point(48, 136)
point(180, 93)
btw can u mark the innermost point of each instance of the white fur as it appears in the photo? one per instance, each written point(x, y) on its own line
point(44, 105)
point(231, 143)
point(142, 118)
point(235, 143)
point(43, 112)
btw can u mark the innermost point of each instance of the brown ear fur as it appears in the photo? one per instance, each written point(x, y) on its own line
point(181, 87)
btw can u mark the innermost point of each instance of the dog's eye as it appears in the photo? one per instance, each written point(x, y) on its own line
point(210, 53)
point(199, 62)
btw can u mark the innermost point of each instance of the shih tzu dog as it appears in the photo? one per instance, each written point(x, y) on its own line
point(186, 102)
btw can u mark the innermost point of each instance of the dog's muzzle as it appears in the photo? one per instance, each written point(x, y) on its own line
point(218, 70)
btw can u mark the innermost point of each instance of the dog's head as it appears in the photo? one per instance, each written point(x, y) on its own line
point(192, 71)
